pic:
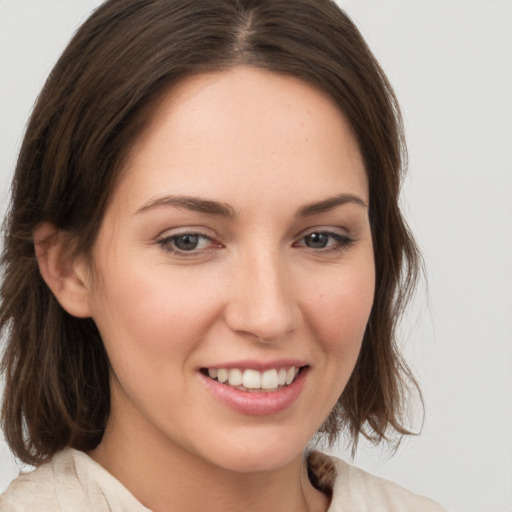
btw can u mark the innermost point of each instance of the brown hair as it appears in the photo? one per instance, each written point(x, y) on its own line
point(94, 103)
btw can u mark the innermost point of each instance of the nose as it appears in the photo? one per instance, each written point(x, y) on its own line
point(262, 302)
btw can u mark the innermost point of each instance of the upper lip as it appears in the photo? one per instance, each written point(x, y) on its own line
point(251, 364)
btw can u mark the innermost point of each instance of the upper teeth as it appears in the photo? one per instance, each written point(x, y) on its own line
point(253, 379)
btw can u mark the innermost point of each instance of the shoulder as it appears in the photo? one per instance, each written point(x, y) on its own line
point(31, 491)
point(356, 490)
point(71, 481)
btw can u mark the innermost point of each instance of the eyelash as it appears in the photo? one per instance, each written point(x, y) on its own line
point(167, 244)
point(342, 242)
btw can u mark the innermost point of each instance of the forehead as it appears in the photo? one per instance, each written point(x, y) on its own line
point(246, 129)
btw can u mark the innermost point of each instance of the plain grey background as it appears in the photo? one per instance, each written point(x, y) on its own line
point(451, 65)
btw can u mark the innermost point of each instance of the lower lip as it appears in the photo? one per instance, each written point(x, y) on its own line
point(258, 403)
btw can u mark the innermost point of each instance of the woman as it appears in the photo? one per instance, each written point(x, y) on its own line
point(204, 263)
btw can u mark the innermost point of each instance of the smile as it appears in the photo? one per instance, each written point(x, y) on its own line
point(254, 380)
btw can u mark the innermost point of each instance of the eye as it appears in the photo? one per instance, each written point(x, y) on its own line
point(326, 240)
point(186, 243)
point(317, 240)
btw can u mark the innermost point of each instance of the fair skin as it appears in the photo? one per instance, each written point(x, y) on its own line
point(237, 238)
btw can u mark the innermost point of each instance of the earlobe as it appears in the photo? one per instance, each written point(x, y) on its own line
point(65, 276)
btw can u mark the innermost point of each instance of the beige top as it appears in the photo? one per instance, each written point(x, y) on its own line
point(73, 482)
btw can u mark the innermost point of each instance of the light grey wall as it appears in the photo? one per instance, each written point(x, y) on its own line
point(451, 64)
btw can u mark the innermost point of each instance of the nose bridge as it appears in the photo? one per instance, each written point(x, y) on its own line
point(262, 303)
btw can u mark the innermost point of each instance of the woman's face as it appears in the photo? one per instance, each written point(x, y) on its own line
point(236, 246)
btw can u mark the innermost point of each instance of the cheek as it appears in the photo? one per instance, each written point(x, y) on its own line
point(340, 310)
point(338, 314)
point(153, 310)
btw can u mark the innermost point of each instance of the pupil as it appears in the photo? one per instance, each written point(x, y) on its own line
point(317, 240)
point(187, 242)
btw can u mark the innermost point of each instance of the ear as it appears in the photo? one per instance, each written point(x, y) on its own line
point(66, 277)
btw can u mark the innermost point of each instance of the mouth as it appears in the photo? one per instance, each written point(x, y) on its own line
point(254, 381)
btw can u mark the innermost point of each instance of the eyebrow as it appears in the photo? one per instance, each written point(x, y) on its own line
point(194, 204)
point(329, 204)
point(197, 204)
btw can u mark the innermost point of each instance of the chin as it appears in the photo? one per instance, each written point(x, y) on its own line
point(256, 455)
